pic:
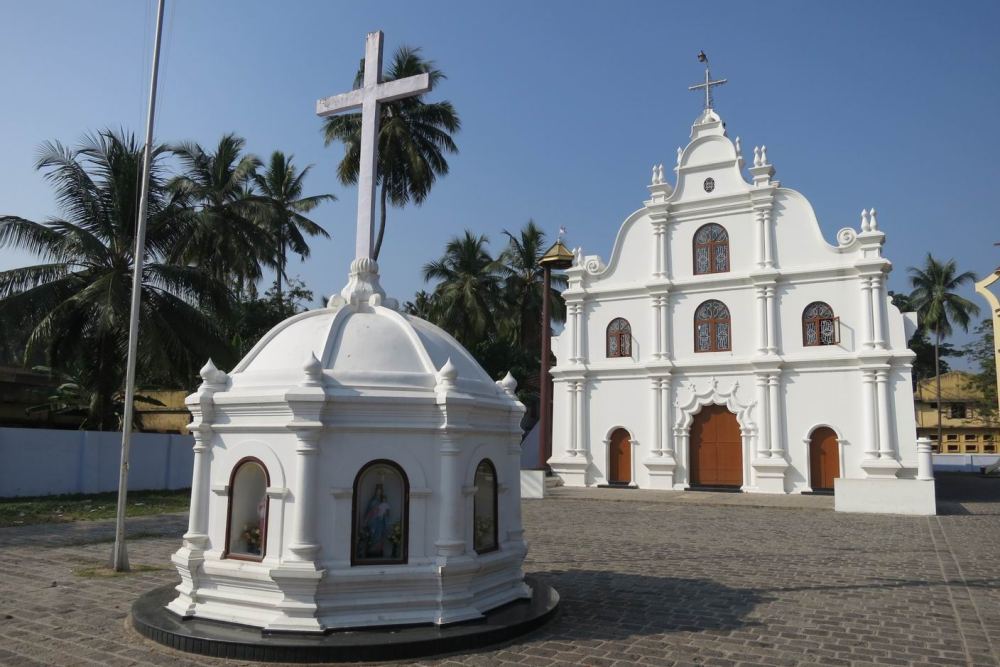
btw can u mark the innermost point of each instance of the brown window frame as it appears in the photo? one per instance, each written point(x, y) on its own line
point(229, 512)
point(622, 336)
point(711, 246)
point(713, 323)
point(835, 319)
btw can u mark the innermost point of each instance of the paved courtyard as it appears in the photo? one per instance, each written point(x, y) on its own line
point(646, 578)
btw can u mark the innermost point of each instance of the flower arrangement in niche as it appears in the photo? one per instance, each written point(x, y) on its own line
point(396, 538)
point(484, 533)
point(252, 537)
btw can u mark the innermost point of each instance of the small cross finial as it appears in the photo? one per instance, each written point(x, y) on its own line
point(562, 233)
point(702, 58)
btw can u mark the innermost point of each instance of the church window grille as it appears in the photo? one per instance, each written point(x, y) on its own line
point(819, 325)
point(484, 509)
point(711, 249)
point(619, 338)
point(247, 513)
point(712, 327)
point(380, 515)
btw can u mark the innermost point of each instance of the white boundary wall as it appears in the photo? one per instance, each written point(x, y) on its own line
point(38, 462)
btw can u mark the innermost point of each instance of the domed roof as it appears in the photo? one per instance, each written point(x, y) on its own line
point(364, 341)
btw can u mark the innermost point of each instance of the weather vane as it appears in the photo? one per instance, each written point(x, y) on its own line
point(702, 58)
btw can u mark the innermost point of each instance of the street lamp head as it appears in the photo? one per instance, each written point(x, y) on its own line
point(557, 257)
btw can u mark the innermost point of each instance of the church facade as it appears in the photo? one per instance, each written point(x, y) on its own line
point(725, 343)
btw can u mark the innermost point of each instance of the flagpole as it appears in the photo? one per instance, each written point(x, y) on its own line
point(119, 557)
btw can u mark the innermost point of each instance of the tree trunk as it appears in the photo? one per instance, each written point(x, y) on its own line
point(381, 227)
point(937, 377)
point(281, 264)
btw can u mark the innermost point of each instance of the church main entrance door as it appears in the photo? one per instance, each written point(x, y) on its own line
point(716, 448)
point(620, 458)
point(824, 459)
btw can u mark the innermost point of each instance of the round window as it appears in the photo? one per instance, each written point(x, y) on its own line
point(709, 184)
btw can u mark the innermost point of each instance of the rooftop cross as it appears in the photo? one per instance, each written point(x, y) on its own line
point(708, 81)
point(369, 97)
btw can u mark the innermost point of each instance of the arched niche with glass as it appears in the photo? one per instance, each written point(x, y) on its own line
point(484, 509)
point(381, 507)
point(246, 529)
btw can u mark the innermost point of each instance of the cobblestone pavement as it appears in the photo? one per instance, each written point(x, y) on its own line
point(645, 579)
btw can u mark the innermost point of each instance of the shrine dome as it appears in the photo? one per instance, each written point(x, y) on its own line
point(371, 342)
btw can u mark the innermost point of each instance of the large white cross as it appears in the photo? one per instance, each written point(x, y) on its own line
point(369, 97)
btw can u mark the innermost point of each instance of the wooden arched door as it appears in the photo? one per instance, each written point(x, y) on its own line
point(716, 448)
point(824, 459)
point(620, 458)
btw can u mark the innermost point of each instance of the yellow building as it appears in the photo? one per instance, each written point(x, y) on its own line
point(965, 430)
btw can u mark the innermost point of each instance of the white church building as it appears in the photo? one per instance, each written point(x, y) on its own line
point(726, 343)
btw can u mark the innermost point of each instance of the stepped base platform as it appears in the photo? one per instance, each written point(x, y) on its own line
point(225, 640)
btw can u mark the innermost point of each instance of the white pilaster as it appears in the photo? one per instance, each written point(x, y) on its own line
point(869, 420)
point(764, 417)
point(658, 351)
point(885, 448)
point(772, 318)
point(656, 396)
point(580, 413)
point(868, 334)
point(761, 294)
point(450, 540)
point(878, 311)
point(774, 418)
point(305, 545)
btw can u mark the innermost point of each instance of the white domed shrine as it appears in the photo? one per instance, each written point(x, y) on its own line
point(357, 468)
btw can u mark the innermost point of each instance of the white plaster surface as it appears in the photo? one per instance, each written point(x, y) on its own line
point(532, 483)
point(885, 496)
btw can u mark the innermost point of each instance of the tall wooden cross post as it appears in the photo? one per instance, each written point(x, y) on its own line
point(372, 94)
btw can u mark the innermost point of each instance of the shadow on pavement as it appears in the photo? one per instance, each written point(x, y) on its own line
point(967, 493)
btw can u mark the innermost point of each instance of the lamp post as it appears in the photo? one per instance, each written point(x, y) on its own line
point(557, 257)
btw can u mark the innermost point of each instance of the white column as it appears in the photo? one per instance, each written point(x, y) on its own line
point(450, 540)
point(304, 543)
point(878, 306)
point(655, 423)
point(868, 413)
point(774, 406)
point(666, 444)
point(760, 293)
point(196, 536)
point(665, 327)
point(885, 448)
point(657, 326)
point(763, 416)
point(578, 333)
point(866, 313)
point(658, 250)
point(580, 411)
point(574, 331)
point(759, 216)
point(768, 240)
point(772, 319)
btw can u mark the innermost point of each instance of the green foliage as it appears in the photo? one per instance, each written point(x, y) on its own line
point(494, 306)
point(413, 138)
point(76, 303)
point(254, 316)
point(72, 398)
point(982, 353)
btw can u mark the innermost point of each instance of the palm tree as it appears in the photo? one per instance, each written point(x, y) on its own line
point(76, 302)
point(469, 289)
point(937, 306)
point(523, 285)
point(422, 306)
point(413, 138)
point(226, 240)
point(280, 208)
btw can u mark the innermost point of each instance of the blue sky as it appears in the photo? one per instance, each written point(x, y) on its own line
point(565, 106)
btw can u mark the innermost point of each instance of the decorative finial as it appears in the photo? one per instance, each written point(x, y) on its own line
point(763, 155)
point(739, 147)
point(447, 375)
point(313, 370)
point(362, 282)
point(508, 384)
point(680, 153)
point(874, 222)
point(866, 225)
point(756, 156)
point(653, 180)
point(562, 233)
point(211, 374)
